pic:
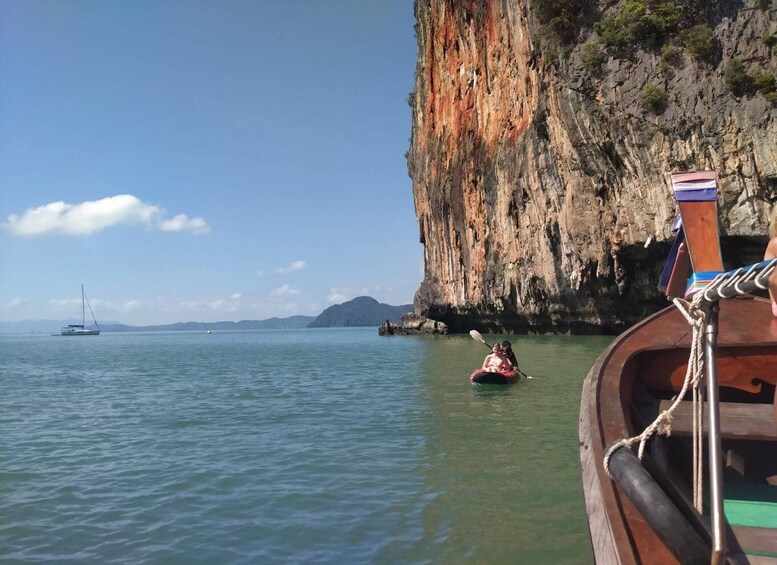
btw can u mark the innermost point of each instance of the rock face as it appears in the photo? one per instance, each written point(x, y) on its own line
point(542, 188)
point(413, 324)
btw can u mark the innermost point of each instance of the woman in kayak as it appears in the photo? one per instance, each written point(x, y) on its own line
point(496, 361)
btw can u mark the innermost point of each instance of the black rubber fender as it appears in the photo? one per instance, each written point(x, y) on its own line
point(658, 509)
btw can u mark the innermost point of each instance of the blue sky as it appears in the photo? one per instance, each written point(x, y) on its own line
point(190, 160)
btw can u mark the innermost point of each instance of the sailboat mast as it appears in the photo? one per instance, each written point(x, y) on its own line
point(83, 312)
point(83, 295)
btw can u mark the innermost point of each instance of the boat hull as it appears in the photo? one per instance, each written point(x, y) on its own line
point(77, 330)
point(490, 378)
point(625, 389)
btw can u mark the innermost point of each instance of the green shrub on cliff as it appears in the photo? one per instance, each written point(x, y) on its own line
point(653, 98)
point(592, 57)
point(671, 55)
point(562, 20)
point(636, 23)
point(737, 78)
point(764, 82)
point(658, 25)
point(617, 30)
point(742, 82)
point(699, 41)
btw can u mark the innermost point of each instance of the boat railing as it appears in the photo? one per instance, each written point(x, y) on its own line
point(701, 309)
point(744, 280)
point(702, 314)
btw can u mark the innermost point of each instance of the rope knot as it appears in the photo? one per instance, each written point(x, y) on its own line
point(664, 424)
point(692, 310)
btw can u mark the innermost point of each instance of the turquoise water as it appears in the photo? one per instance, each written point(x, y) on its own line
point(301, 446)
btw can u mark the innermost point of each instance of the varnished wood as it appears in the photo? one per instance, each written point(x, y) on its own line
point(743, 368)
point(738, 420)
point(700, 222)
point(761, 540)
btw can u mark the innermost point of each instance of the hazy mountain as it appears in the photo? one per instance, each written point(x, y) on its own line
point(361, 311)
point(49, 326)
point(36, 326)
point(291, 323)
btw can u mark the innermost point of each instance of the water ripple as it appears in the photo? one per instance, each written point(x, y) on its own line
point(278, 447)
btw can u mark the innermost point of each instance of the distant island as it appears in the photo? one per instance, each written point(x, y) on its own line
point(291, 323)
point(361, 311)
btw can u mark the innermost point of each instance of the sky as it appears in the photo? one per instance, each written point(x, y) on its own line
point(204, 161)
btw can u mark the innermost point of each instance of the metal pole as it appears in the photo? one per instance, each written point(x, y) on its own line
point(715, 456)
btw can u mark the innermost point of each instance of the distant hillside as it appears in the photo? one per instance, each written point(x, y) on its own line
point(291, 323)
point(361, 311)
point(36, 326)
point(47, 326)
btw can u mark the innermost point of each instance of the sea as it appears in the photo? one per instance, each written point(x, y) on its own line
point(289, 447)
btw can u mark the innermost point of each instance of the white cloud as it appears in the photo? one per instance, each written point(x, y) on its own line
point(235, 296)
point(284, 290)
point(295, 266)
point(65, 303)
point(107, 306)
point(96, 215)
point(337, 295)
point(16, 302)
point(132, 305)
point(182, 222)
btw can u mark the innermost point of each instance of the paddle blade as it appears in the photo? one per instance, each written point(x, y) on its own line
point(477, 337)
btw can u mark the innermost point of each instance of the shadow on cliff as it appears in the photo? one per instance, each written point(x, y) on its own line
point(597, 306)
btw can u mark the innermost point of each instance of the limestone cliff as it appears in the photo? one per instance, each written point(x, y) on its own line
point(541, 182)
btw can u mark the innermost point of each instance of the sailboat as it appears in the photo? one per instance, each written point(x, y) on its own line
point(81, 329)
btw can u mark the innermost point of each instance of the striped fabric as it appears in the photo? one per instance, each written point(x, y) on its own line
point(699, 281)
point(695, 187)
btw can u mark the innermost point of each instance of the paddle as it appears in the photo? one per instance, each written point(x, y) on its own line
point(477, 337)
